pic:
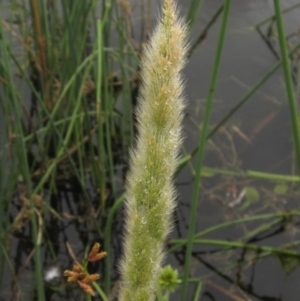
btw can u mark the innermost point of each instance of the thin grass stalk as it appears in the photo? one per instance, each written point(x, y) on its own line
point(259, 255)
point(73, 96)
point(274, 16)
point(109, 120)
point(41, 45)
point(203, 137)
point(241, 245)
point(44, 18)
point(297, 90)
point(7, 179)
point(269, 176)
point(229, 267)
point(194, 10)
point(99, 112)
point(100, 291)
point(263, 229)
point(198, 290)
point(42, 130)
point(8, 262)
point(107, 8)
point(256, 86)
point(35, 221)
point(106, 107)
point(127, 110)
point(126, 123)
point(107, 243)
point(129, 60)
point(68, 85)
point(78, 132)
point(64, 142)
point(75, 21)
point(24, 171)
point(249, 173)
point(205, 30)
point(75, 17)
point(288, 80)
point(132, 61)
point(277, 216)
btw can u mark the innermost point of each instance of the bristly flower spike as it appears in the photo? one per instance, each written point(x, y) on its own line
point(150, 196)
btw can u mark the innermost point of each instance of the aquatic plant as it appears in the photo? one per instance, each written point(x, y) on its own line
point(150, 191)
point(79, 273)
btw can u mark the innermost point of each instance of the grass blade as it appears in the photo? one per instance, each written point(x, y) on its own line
point(288, 79)
point(194, 205)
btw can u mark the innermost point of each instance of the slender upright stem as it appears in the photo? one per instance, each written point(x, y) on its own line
point(194, 205)
point(288, 80)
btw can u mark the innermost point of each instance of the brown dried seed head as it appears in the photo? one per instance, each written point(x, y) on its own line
point(95, 255)
point(77, 268)
point(90, 278)
point(72, 276)
point(86, 288)
point(68, 273)
point(72, 279)
point(82, 276)
point(95, 249)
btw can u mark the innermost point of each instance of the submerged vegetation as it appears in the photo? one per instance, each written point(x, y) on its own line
point(69, 81)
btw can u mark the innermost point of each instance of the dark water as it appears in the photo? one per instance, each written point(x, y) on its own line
point(246, 58)
point(258, 137)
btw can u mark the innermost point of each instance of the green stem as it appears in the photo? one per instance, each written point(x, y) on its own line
point(241, 245)
point(107, 241)
point(193, 215)
point(193, 12)
point(288, 80)
point(100, 291)
point(198, 291)
point(283, 215)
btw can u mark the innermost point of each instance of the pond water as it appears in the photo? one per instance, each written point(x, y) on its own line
point(264, 120)
point(257, 137)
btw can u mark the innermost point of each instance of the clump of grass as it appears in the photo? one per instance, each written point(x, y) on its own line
point(59, 118)
point(150, 191)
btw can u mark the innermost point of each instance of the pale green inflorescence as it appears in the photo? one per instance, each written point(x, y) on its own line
point(150, 191)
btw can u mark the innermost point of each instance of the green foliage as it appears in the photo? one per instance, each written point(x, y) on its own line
point(59, 110)
point(281, 188)
point(251, 195)
point(288, 263)
point(168, 279)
